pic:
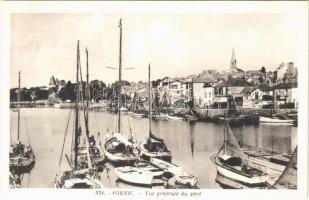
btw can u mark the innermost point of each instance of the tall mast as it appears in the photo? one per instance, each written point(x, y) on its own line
point(18, 97)
point(149, 99)
point(120, 68)
point(88, 96)
point(76, 108)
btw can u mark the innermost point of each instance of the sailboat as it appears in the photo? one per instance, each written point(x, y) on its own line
point(117, 149)
point(21, 156)
point(153, 147)
point(233, 170)
point(96, 151)
point(82, 172)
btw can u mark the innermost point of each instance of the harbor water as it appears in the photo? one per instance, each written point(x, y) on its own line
point(191, 144)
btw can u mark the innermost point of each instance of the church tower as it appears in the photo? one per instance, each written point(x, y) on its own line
point(233, 62)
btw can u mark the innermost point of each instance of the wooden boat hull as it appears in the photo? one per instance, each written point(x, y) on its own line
point(85, 182)
point(139, 115)
point(138, 176)
point(231, 178)
point(119, 158)
point(166, 156)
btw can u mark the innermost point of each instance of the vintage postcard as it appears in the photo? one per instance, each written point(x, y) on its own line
point(154, 100)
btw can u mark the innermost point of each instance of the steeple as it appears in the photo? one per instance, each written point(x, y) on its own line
point(233, 61)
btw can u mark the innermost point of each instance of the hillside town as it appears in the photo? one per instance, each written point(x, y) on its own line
point(209, 89)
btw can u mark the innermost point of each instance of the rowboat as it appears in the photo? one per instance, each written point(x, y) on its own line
point(142, 173)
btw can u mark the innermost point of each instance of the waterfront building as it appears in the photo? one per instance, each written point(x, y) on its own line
point(203, 92)
point(228, 91)
point(286, 95)
point(257, 96)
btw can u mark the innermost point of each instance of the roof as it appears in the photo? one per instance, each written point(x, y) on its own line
point(204, 80)
point(234, 83)
point(285, 86)
point(248, 89)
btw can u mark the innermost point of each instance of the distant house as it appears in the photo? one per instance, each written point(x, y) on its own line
point(230, 91)
point(52, 91)
point(286, 93)
point(257, 96)
point(203, 91)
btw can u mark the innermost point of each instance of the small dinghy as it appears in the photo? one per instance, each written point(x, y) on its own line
point(142, 173)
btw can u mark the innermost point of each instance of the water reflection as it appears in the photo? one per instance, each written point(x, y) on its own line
point(191, 144)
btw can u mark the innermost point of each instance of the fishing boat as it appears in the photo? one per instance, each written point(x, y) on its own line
point(117, 149)
point(276, 120)
point(83, 172)
point(21, 156)
point(153, 147)
point(95, 148)
point(232, 166)
point(288, 178)
point(123, 109)
point(142, 173)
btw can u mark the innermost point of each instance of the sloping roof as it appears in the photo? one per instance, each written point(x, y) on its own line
point(248, 89)
point(285, 86)
point(234, 83)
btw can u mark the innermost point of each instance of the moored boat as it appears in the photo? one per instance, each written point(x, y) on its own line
point(232, 166)
point(142, 173)
point(276, 120)
point(83, 171)
point(22, 158)
point(153, 147)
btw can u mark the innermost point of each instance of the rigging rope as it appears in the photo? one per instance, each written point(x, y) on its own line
point(66, 131)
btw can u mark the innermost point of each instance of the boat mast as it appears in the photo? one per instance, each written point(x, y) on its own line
point(88, 96)
point(18, 98)
point(76, 109)
point(120, 62)
point(149, 100)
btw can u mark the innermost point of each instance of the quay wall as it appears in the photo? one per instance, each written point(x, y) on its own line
point(248, 111)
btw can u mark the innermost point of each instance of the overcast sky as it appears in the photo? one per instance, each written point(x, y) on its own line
point(43, 45)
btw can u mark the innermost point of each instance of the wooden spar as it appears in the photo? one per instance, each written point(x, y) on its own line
point(76, 109)
point(87, 95)
point(120, 65)
point(18, 97)
point(149, 99)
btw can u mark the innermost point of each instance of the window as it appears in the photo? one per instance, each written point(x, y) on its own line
point(209, 94)
point(256, 95)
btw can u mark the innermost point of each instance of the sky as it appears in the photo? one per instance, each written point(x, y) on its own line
point(175, 44)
